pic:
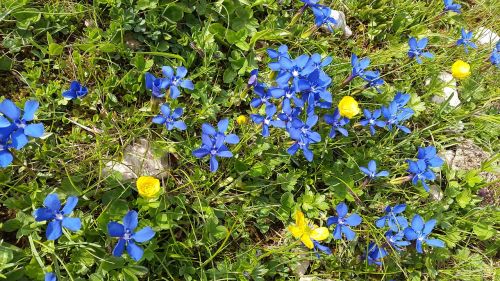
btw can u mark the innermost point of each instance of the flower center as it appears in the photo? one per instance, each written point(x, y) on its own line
point(20, 124)
point(59, 216)
point(127, 235)
point(213, 151)
point(267, 121)
point(295, 73)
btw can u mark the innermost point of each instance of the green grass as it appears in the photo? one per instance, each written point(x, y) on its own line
point(231, 225)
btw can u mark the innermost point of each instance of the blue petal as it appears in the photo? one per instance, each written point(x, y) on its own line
point(214, 164)
point(180, 125)
point(149, 78)
point(337, 233)
point(382, 174)
point(417, 223)
point(349, 234)
point(73, 224)
point(174, 92)
point(54, 230)
point(353, 220)
point(418, 245)
point(380, 222)
point(4, 122)
point(9, 109)
point(342, 209)
point(115, 229)
point(200, 152)
point(181, 71)
point(6, 158)
point(43, 214)
point(34, 130)
point(30, 107)
point(50, 276)
point(52, 202)
point(167, 71)
point(208, 129)
point(19, 139)
point(232, 139)
point(177, 112)
point(119, 247)
point(410, 234)
point(130, 220)
point(372, 166)
point(134, 251)
point(222, 125)
point(332, 220)
point(428, 227)
point(159, 119)
point(187, 84)
point(70, 205)
point(434, 243)
point(144, 234)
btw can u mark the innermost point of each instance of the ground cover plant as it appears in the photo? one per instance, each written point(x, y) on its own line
point(278, 140)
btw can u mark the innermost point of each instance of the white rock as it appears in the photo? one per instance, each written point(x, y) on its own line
point(449, 90)
point(341, 22)
point(485, 36)
point(138, 160)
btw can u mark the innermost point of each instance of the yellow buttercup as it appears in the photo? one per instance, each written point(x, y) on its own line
point(348, 107)
point(460, 69)
point(242, 119)
point(148, 187)
point(307, 232)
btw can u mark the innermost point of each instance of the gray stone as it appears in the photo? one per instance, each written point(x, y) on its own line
point(341, 22)
point(449, 90)
point(138, 160)
point(485, 36)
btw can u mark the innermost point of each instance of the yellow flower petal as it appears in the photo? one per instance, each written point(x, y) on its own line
point(148, 187)
point(320, 233)
point(460, 69)
point(296, 231)
point(300, 220)
point(348, 107)
point(307, 241)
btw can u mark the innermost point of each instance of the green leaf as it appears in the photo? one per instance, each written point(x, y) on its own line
point(464, 198)
point(483, 231)
point(55, 49)
point(174, 13)
point(6, 255)
point(5, 63)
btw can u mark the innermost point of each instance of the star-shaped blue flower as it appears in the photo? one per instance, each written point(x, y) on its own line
point(21, 126)
point(395, 239)
point(420, 173)
point(375, 254)
point(337, 122)
point(393, 219)
point(268, 120)
point(169, 118)
point(450, 6)
point(343, 222)
point(322, 16)
point(371, 119)
point(56, 216)
point(429, 155)
point(466, 40)
point(371, 170)
point(156, 85)
point(76, 91)
point(417, 49)
point(420, 231)
point(176, 80)
point(127, 237)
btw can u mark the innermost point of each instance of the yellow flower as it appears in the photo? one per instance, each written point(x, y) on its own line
point(148, 187)
point(307, 232)
point(348, 107)
point(460, 69)
point(242, 119)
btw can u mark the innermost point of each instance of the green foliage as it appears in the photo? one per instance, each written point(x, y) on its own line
point(232, 225)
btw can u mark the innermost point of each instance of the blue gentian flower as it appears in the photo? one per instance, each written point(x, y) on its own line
point(56, 216)
point(264, 95)
point(392, 218)
point(50, 276)
point(289, 113)
point(176, 80)
point(450, 6)
point(417, 49)
point(127, 237)
point(156, 85)
point(221, 131)
point(371, 119)
point(301, 130)
point(375, 254)
point(303, 144)
point(316, 63)
point(321, 248)
point(337, 122)
point(395, 239)
point(22, 128)
point(291, 69)
point(316, 83)
point(281, 52)
point(429, 155)
point(76, 90)
point(343, 222)
point(268, 120)
point(466, 40)
point(169, 118)
point(420, 173)
point(314, 101)
point(322, 16)
point(252, 81)
point(358, 66)
point(371, 170)
point(395, 116)
point(420, 231)
point(213, 147)
point(373, 79)
point(495, 55)
point(401, 99)
point(288, 93)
